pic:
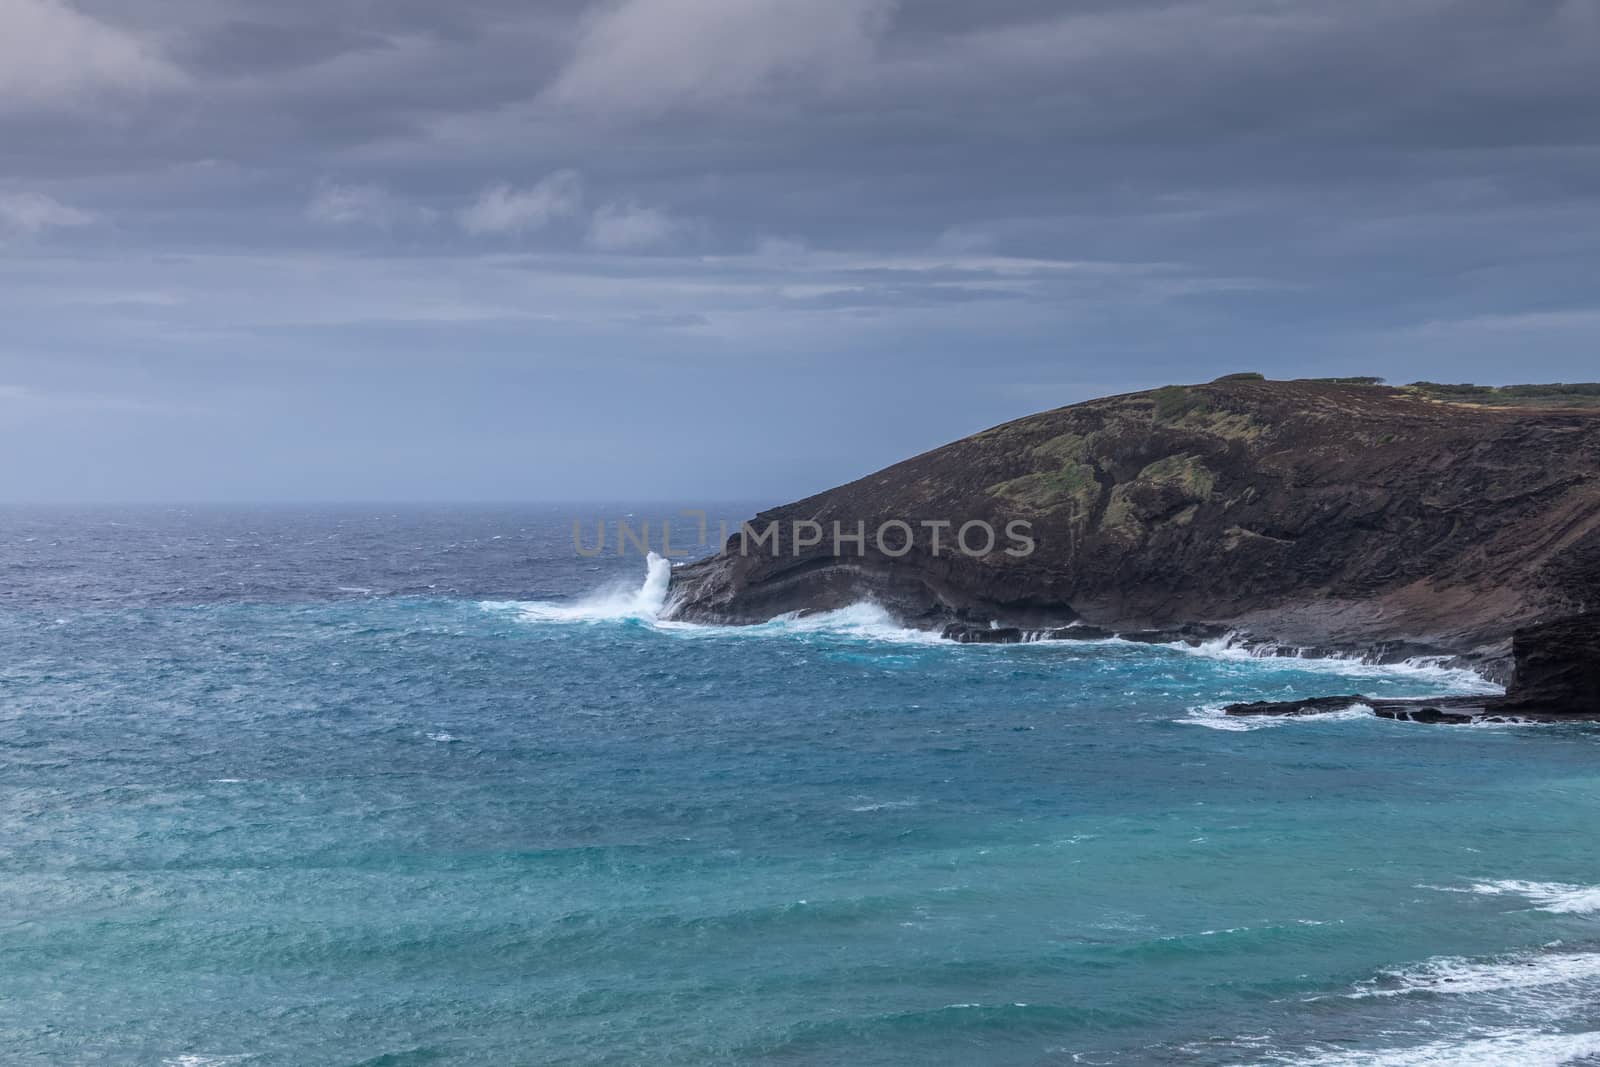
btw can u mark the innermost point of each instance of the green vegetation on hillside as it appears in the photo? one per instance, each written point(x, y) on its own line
point(1553, 394)
point(1359, 379)
point(1172, 400)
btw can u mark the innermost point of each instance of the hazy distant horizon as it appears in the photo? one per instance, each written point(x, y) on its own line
point(707, 494)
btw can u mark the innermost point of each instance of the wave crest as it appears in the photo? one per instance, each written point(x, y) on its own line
point(616, 604)
point(1212, 716)
point(1547, 896)
point(1454, 975)
point(1525, 1048)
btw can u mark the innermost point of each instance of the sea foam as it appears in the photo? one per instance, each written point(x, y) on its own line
point(1425, 669)
point(1454, 975)
point(1524, 1048)
point(1214, 717)
point(615, 604)
point(864, 620)
point(1547, 896)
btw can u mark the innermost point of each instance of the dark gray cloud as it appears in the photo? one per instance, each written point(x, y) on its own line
point(660, 225)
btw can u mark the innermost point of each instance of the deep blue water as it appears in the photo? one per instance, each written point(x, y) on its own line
point(412, 786)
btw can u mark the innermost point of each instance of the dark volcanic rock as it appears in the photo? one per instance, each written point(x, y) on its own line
point(1313, 706)
point(968, 634)
point(1557, 667)
point(1191, 634)
point(1556, 678)
point(1428, 709)
point(1453, 711)
point(1339, 517)
point(1079, 632)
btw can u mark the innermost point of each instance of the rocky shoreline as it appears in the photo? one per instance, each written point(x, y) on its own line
point(1304, 518)
point(1493, 668)
point(1552, 705)
point(1555, 678)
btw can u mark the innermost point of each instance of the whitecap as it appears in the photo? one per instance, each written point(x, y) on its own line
point(1455, 976)
point(615, 604)
point(1524, 1048)
point(1547, 896)
point(1214, 717)
point(886, 805)
point(862, 620)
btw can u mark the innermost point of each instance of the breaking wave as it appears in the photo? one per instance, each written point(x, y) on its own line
point(1454, 975)
point(1523, 1048)
point(865, 620)
point(1212, 716)
point(1558, 897)
point(1427, 669)
point(869, 621)
point(615, 604)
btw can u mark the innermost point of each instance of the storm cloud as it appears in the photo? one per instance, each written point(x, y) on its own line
point(707, 249)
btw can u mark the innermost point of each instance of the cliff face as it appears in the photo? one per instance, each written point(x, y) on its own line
point(1555, 678)
point(1315, 514)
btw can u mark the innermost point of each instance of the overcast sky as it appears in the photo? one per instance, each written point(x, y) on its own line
point(746, 249)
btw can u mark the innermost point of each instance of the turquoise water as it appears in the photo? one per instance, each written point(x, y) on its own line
point(333, 788)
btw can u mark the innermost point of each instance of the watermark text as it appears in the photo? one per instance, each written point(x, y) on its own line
point(893, 538)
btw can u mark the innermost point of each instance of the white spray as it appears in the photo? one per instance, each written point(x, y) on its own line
point(643, 603)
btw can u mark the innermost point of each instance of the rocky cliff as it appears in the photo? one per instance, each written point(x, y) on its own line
point(1340, 516)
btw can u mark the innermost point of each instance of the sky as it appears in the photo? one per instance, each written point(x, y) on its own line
point(705, 250)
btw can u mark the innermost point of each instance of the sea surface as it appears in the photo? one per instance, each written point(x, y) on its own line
point(382, 785)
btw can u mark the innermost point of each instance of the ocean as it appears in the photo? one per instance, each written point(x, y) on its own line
point(382, 785)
